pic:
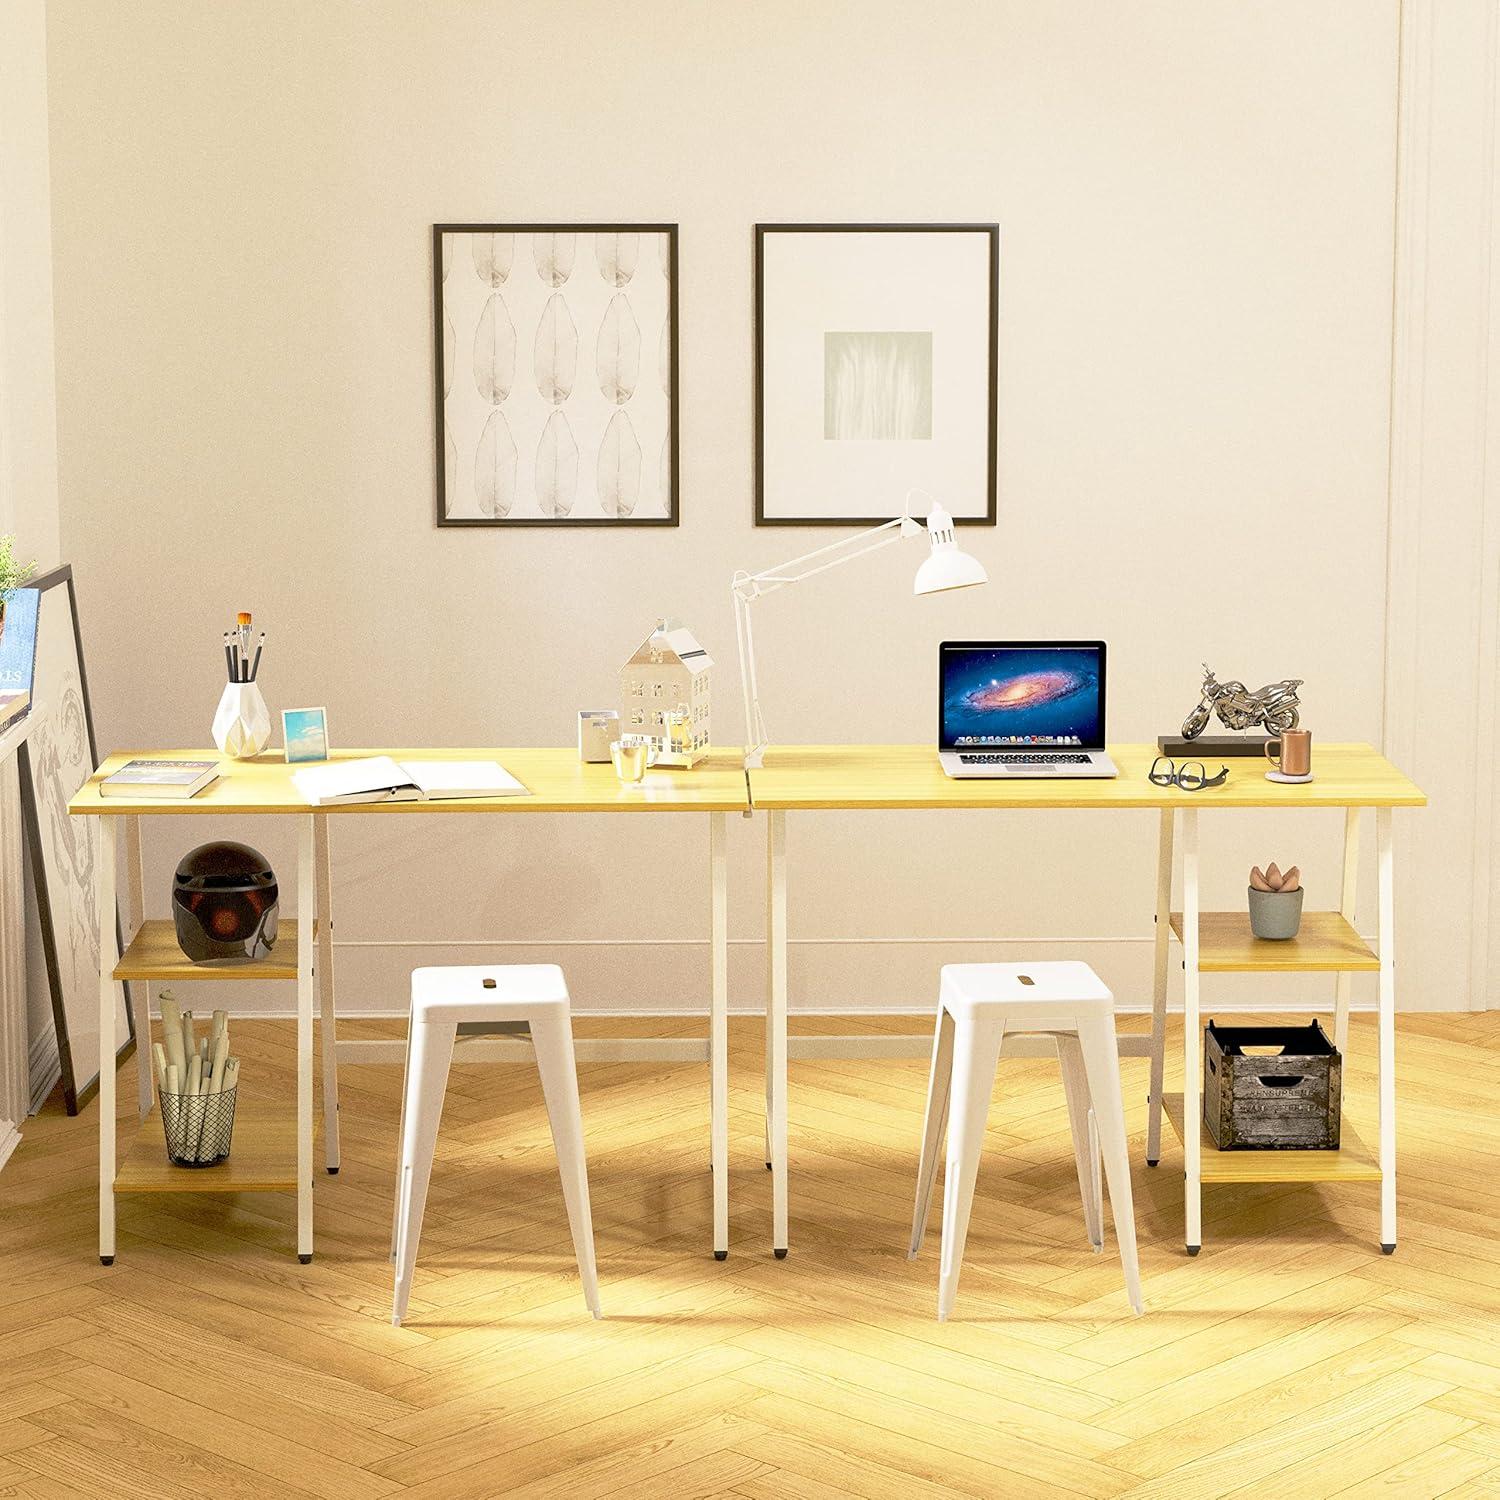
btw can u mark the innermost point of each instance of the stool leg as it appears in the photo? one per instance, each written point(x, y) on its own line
point(401, 1142)
point(430, 1052)
point(976, 1052)
point(1101, 1058)
point(1085, 1153)
point(939, 1086)
point(552, 1034)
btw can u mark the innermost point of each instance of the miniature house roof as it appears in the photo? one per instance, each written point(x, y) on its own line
point(674, 641)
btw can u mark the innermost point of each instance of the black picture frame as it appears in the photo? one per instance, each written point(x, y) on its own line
point(673, 516)
point(76, 1093)
point(992, 231)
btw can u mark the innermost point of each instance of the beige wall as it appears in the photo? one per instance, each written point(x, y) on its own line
point(1195, 351)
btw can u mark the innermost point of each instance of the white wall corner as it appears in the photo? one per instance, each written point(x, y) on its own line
point(1442, 677)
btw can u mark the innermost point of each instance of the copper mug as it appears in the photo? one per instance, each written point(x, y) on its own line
point(1291, 754)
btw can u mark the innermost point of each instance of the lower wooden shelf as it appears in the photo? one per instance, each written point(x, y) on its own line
point(1352, 1162)
point(153, 954)
point(263, 1158)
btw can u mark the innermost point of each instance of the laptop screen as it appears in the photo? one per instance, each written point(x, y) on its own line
point(1016, 695)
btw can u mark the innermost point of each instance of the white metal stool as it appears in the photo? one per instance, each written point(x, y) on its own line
point(978, 1006)
point(475, 1001)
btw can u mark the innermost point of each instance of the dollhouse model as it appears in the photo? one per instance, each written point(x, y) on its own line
point(664, 695)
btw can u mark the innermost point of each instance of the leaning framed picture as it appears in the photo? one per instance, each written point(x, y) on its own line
point(876, 370)
point(555, 371)
point(58, 756)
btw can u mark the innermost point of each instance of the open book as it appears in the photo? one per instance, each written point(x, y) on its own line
point(381, 779)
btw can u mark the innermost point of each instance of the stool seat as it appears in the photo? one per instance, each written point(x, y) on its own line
point(992, 987)
point(979, 1005)
point(474, 992)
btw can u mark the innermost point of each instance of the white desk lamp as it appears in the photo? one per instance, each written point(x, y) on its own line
point(944, 567)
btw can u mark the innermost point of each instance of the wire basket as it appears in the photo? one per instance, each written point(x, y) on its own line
point(198, 1127)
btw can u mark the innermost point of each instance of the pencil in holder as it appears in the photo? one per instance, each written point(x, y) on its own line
point(199, 1127)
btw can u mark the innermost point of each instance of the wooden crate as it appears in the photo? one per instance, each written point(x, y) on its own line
point(1257, 1099)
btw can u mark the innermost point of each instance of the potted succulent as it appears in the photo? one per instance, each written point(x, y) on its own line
point(1275, 902)
point(12, 574)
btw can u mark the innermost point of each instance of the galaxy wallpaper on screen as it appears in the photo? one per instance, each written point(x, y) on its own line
point(1021, 697)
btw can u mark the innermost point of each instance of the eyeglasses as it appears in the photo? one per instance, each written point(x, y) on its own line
point(1192, 776)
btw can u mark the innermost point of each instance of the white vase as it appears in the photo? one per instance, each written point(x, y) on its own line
point(242, 726)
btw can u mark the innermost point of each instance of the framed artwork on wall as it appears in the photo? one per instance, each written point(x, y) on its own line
point(59, 755)
point(555, 367)
point(876, 368)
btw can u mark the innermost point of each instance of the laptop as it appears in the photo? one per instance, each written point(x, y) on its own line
point(1022, 708)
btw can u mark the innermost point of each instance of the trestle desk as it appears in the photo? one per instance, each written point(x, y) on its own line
point(1348, 777)
point(272, 1154)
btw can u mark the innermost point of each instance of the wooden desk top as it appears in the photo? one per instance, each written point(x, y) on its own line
point(909, 776)
point(557, 780)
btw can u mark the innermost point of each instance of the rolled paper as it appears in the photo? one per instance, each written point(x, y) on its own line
point(171, 1106)
point(171, 1032)
point(159, 1065)
point(189, 1040)
point(194, 1076)
point(216, 1071)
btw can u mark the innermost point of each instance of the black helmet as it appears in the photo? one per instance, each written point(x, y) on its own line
point(224, 901)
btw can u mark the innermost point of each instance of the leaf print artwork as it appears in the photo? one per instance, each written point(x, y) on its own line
point(493, 254)
point(450, 472)
point(664, 473)
point(553, 254)
point(617, 352)
point(664, 254)
point(554, 353)
point(448, 343)
point(495, 467)
point(664, 356)
point(447, 255)
point(495, 351)
point(556, 467)
point(617, 254)
point(619, 471)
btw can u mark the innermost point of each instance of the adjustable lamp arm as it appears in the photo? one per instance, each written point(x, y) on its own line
point(748, 587)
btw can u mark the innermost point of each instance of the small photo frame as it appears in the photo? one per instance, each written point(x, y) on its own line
point(304, 732)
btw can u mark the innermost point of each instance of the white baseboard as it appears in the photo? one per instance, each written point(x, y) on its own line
point(917, 1011)
point(44, 1067)
point(10, 1138)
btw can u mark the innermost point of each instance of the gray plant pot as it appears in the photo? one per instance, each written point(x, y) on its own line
point(1275, 915)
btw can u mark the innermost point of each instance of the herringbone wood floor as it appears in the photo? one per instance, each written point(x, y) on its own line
point(1290, 1358)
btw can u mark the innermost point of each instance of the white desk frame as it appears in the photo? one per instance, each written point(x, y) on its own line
point(780, 1048)
point(315, 970)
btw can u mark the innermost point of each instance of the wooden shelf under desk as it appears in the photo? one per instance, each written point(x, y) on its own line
point(262, 1159)
point(1326, 942)
point(153, 954)
point(1352, 1162)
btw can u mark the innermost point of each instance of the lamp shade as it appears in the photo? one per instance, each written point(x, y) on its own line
point(946, 566)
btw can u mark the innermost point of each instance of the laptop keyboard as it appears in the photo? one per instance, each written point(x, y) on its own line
point(1008, 758)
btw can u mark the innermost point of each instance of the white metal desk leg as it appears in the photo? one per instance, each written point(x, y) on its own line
point(1344, 984)
point(327, 1023)
point(1387, 940)
point(139, 990)
point(306, 915)
point(776, 1024)
point(1192, 1042)
point(1159, 983)
point(718, 1030)
point(106, 898)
